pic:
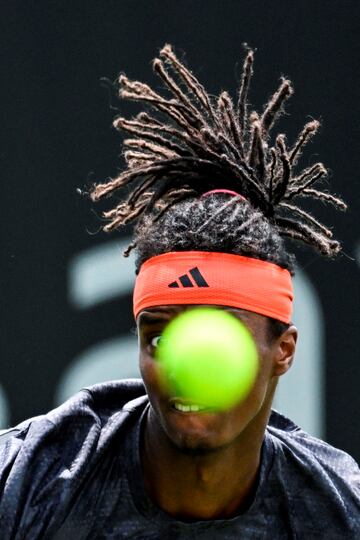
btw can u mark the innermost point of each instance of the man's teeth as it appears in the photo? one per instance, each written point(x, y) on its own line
point(188, 408)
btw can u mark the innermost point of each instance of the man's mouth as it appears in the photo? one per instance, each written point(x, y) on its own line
point(189, 407)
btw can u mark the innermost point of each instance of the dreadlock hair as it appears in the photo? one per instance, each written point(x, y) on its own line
point(191, 143)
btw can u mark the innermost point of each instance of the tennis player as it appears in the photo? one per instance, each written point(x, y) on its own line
point(213, 196)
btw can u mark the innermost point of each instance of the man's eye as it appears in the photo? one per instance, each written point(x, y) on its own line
point(154, 342)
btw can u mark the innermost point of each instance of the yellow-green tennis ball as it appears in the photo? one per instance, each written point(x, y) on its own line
point(208, 357)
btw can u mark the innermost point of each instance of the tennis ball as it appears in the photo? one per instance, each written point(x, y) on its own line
point(207, 357)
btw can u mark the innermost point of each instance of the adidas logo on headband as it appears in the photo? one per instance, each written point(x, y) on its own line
point(186, 281)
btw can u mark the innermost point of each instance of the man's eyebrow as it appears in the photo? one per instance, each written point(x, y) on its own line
point(149, 318)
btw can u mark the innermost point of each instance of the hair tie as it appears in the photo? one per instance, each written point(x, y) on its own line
point(228, 191)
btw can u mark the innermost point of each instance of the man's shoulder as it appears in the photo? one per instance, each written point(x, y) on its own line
point(84, 424)
point(294, 441)
point(53, 452)
point(98, 404)
point(321, 483)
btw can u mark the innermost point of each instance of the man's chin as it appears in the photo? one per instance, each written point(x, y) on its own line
point(192, 434)
point(192, 445)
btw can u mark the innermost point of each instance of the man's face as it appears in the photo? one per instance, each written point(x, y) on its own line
point(205, 431)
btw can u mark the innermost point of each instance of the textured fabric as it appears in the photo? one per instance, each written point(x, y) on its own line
point(219, 279)
point(75, 473)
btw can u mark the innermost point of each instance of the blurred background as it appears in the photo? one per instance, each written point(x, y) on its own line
point(66, 308)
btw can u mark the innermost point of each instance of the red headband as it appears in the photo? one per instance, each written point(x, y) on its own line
point(222, 279)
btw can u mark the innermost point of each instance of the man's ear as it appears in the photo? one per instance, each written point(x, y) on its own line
point(285, 347)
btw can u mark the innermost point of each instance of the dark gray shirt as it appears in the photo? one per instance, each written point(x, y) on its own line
point(75, 473)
